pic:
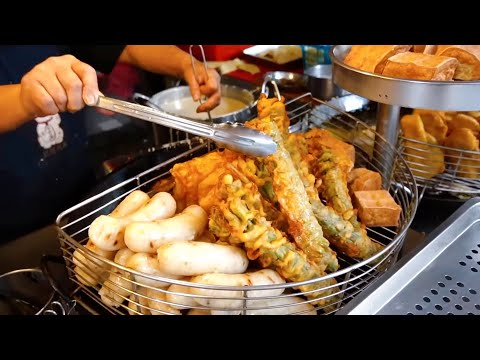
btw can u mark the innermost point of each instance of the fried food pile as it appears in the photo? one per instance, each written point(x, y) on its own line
point(291, 211)
point(231, 220)
point(455, 130)
point(418, 62)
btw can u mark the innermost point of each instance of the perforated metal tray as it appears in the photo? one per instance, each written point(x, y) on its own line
point(441, 277)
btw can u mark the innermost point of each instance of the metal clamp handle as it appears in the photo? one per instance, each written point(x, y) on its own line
point(275, 88)
point(55, 308)
point(144, 100)
point(66, 303)
point(141, 99)
point(192, 59)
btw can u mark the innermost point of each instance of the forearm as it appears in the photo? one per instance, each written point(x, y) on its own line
point(160, 59)
point(12, 113)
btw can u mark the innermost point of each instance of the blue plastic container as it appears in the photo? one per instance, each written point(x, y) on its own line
point(315, 54)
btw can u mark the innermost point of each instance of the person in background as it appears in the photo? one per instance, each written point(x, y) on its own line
point(44, 163)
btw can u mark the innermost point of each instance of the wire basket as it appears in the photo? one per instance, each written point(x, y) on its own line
point(442, 169)
point(133, 292)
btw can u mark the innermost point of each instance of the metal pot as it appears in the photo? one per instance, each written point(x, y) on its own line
point(237, 104)
point(321, 84)
point(317, 80)
point(288, 80)
point(25, 292)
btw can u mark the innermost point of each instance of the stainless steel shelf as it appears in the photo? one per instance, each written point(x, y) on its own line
point(435, 95)
point(392, 94)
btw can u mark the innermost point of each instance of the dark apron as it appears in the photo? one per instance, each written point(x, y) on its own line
point(44, 164)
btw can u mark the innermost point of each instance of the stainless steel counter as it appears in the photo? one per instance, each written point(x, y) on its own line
point(439, 277)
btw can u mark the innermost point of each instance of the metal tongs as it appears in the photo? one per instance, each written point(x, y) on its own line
point(192, 59)
point(236, 137)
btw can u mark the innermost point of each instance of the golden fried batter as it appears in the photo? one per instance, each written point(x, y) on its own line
point(424, 160)
point(317, 139)
point(435, 124)
point(346, 235)
point(275, 109)
point(163, 185)
point(339, 220)
point(264, 105)
point(240, 218)
point(463, 164)
point(462, 139)
point(413, 128)
point(464, 121)
point(469, 167)
point(293, 200)
point(474, 114)
point(194, 179)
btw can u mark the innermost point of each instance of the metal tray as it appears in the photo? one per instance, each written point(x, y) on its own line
point(264, 52)
point(440, 277)
point(435, 95)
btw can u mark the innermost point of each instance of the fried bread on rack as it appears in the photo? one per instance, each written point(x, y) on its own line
point(425, 159)
point(457, 132)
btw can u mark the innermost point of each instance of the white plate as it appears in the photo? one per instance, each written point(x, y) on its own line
point(278, 54)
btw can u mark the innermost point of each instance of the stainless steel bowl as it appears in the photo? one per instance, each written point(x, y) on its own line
point(320, 82)
point(178, 101)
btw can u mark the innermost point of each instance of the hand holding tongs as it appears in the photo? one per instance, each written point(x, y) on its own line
point(235, 137)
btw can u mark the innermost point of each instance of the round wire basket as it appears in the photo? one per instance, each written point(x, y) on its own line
point(439, 168)
point(133, 292)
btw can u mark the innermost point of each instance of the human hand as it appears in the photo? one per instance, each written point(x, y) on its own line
point(206, 83)
point(58, 84)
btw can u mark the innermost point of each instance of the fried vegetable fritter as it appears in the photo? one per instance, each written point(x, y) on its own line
point(240, 218)
point(293, 200)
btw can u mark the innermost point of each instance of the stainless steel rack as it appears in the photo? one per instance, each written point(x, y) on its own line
point(392, 94)
point(134, 297)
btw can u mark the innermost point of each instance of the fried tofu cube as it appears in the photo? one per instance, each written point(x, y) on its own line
point(376, 208)
point(361, 179)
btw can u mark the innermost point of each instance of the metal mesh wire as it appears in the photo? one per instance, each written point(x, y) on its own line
point(126, 291)
point(457, 172)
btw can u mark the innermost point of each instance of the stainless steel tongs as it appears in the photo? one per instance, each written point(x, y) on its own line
point(236, 137)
